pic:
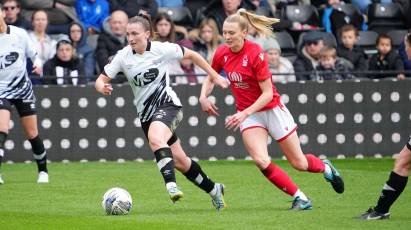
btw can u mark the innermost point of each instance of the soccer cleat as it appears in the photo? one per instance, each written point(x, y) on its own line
point(43, 178)
point(299, 204)
point(175, 194)
point(1, 180)
point(371, 214)
point(218, 199)
point(334, 178)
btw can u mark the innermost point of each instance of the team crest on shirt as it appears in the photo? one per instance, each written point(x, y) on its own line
point(261, 56)
point(245, 60)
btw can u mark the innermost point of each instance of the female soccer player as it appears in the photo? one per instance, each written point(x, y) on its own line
point(398, 177)
point(144, 62)
point(16, 90)
point(259, 109)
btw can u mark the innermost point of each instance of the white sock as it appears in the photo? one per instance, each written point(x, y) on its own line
point(171, 185)
point(300, 194)
point(213, 192)
point(327, 169)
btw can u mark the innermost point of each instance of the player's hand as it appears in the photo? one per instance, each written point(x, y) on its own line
point(401, 76)
point(234, 121)
point(221, 81)
point(208, 107)
point(107, 89)
point(36, 70)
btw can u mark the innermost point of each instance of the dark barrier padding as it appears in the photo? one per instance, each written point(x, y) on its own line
point(334, 118)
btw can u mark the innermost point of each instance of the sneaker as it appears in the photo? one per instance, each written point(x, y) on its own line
point(218, 199)
point(371, 214)
point(1, 180)
point(175, 194)
point(334, 178)
point(43, 178)
point(299, 204)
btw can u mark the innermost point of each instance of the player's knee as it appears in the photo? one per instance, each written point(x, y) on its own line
point(155, 141)
point(262, 162)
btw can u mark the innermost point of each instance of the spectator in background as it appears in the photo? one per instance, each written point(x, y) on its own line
point(185, 70)
point(222, 11)
point(331, 68)
point(308, 59)
point(170, 3)
point(348, 50)
point(83, 51)
point(362, 5)
point(12, 14)
point(60, 13)
point(281, 68)
point(207, 40)
point(164, 28)
point(134, 7)
point(112, 38)
point(64, 66)
point(92, 14)
point(44, 44)
point(386, 59)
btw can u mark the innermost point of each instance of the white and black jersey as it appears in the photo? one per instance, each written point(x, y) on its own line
point(147, 75)
point(15, 47)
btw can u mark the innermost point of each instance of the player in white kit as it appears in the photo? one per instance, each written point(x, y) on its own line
point(144, 63)
point(16, 91)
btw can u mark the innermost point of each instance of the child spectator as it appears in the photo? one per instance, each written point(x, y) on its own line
point(386, 59)
point(64, 66)
point(207, 40)
point(281, 68)
point(330, 67)
point(348, 50)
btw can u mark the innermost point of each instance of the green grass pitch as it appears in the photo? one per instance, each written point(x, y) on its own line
point(72, 198)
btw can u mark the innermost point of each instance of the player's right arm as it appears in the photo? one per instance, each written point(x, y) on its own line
point(103, 85)
point(110, 71)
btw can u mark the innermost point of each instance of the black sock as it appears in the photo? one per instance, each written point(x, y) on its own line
point(391, 191)
point(164, 159)
point(39, 153)
point(196, 175)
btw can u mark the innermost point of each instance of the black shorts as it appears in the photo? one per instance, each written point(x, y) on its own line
point(25, 107)
point(169, 114)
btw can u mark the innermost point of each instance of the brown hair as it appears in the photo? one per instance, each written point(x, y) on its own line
point(37, 11)
point(211, 23)
point(328, 52)
point(262, 24)
point(171, 37)
point(383, 36)
point(347, 28)
point(145, 21)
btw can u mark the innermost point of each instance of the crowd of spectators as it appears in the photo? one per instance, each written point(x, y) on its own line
point(76, 38)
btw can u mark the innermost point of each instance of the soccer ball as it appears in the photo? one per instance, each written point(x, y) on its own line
point(117, 201)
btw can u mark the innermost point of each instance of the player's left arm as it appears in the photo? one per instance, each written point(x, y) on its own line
point(203, 64)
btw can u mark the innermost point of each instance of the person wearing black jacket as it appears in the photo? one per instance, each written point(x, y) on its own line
point(64, 68)
point(134, 7)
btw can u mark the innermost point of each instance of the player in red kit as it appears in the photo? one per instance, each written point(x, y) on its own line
point(259, 109)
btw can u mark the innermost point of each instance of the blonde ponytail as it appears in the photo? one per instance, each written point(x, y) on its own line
point(261, 23)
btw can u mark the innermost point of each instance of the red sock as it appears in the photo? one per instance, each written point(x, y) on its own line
point(280, 179)
point(315, 165)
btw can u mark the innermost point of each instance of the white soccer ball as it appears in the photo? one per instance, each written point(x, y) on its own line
point(117, 201)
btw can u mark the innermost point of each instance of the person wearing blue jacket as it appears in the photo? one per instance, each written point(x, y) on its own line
point(84, 51)
point(92, 14)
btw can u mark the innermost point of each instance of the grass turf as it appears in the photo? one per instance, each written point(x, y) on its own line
point(72, 199)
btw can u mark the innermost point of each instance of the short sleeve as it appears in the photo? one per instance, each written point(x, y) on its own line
point(114, 66)
point(260, 67)
point(171, 51)
point(216, 62)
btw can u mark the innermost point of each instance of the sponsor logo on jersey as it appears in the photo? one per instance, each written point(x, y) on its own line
point(8, 59)
point(145, 78)
point(235, 77)
point(245, 60)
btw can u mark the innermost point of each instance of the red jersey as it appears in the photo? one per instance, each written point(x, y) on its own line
point(245, 69)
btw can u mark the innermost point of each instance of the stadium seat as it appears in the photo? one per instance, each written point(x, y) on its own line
point(304, 14)
point(367, 41)
point(286, 43)
point(383, 17)
point(397, 37)
point(196, 8)
point(180, 15)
